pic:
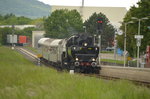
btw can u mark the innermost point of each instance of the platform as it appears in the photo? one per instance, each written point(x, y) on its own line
point(130, 73)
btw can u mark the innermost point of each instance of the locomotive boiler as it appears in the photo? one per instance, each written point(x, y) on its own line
point(79, 53)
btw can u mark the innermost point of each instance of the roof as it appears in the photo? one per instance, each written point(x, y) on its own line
point(42, 41)
point(55, 42)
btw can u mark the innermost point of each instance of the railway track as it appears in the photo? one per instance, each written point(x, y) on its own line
point(32, 57)
point(35, 59)
point(139, 83)
point(27, 54)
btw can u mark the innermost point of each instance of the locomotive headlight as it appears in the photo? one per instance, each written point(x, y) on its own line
point(93, 59)
point(74, 48)
point(85, 44)
point(77, 59)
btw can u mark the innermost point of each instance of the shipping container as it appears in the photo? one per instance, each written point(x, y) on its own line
point(12, 39)
point(22, 39)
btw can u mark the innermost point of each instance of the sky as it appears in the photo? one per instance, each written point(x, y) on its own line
point(98, 3)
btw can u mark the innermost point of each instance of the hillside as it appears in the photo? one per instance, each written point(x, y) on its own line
point(28, 8)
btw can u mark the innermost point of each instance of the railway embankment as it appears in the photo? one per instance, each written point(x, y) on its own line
point(21, 79)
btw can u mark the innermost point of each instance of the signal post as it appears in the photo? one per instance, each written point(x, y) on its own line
point(99, 31)
point(138, 43)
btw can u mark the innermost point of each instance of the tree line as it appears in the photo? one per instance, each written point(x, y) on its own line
point(9, 19)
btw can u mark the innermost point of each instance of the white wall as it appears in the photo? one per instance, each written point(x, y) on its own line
point(36, 36)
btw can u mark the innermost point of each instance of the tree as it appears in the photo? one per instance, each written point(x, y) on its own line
point(10, 19)
point(39, 23)
point(132, 29)
point(3, 35)
point(108, 30)
point(63, 23)
point(25, 31)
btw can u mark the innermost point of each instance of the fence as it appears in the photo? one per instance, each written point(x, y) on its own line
point(112, 59)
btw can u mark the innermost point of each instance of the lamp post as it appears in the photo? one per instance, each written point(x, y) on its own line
point(139, 20)
point(125, 39)
point(139, 23)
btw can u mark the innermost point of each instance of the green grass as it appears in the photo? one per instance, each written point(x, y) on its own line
point(112, 61)
point(21, 79)
point(107, 51)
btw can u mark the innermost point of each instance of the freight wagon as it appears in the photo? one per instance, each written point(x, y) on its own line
point(17, 39)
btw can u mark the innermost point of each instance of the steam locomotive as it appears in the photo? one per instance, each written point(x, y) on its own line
point(79, 53)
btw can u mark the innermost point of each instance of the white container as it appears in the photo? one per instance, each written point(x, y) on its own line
point(11, 39)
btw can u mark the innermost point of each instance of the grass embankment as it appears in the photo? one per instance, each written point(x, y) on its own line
point(112, 61)
point(20, 79)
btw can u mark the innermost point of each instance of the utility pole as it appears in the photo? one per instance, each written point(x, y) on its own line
point(115, 49)
point(12, 37)
point(125, 40)
point(115, 45)
point(100, 32)
point(138, 50)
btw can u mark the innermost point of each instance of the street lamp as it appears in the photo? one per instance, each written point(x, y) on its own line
point(125, 37)
point(139, 20)
point(134, 18)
